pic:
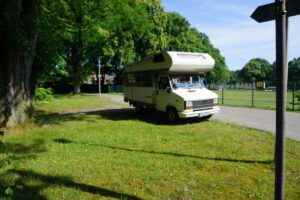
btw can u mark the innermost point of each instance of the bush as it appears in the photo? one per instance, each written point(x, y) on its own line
point(43, 94)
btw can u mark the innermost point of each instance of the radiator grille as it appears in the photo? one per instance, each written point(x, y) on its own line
point(203, 103)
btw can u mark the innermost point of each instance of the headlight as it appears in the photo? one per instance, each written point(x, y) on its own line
point(188, 105)
point(216, 101)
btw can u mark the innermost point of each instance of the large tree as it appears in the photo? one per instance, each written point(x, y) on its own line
point(70, 25)
point(118, 32)
point(256, 69)
point(49, 63)
point(18, 36)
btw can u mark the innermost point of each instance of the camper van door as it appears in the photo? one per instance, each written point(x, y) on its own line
point(163, 93)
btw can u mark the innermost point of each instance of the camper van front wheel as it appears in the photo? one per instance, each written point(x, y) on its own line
point(172, 115)
point(206, 117)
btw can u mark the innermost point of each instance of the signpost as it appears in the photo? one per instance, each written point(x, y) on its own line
point(279, 11)
point(269, 12)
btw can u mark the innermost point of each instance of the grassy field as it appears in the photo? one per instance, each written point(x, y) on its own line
point(262, 99)
point(71, 151)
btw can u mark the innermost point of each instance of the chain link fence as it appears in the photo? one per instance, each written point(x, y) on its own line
point(247, 95)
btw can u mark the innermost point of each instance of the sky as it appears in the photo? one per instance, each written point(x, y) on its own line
point(233, 32)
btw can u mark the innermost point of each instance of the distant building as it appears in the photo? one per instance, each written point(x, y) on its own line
point(92, 80)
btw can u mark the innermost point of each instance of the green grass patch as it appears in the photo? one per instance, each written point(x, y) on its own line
point(66, 103)
point(262, 99)
point(115, 153)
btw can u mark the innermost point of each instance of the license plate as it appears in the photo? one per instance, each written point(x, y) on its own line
point(204, 114)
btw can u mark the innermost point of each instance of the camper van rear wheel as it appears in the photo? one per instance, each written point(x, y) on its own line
point(172, 115)
point(139, 108)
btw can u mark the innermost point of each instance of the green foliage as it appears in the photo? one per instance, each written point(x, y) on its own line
point(256, 69)
point(261, 70)
point(82, 31)
point(234, 77)
point(178, 30)
point(50, 61)
point(119, 32)
point(43, 94)
point(294, 69)
point(9, 191)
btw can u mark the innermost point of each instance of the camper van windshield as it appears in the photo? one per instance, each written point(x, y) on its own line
point(186, 81)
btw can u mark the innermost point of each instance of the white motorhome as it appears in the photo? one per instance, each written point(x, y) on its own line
point(170, 82)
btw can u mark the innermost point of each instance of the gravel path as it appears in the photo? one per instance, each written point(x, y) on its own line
point(252, 118)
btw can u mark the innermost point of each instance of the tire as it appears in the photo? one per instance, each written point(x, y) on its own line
point(139, 108)
point(172, 115)
point(206, 117)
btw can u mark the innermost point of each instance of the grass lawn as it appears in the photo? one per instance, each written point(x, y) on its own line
point(116, 154)
point(66, 103)
point(262, 99)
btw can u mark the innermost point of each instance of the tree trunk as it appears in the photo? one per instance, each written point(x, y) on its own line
point(17, 46)
point(102, 79)
point(75, 63)
point(76, 47)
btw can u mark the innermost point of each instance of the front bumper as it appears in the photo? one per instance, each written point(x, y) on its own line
point(199, 113)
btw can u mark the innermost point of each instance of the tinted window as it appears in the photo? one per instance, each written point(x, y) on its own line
point(163, 83)
point(144, 79)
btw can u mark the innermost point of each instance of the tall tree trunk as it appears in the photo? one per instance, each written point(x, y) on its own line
point(102, 79)
point(96, 69)
point(17, 47)
point(76, 46)
point(75, 63)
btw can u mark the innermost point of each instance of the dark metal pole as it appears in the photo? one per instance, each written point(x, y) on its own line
point(99, 77)
point(281, 69)
point(294, 88)
point(223, 94)
point(253, 85)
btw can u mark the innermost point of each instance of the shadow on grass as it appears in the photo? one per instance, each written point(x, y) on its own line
point(14, 152)
point(18, 148)
point(148, 116)
point(34, 191)
point(11, 154)
point(19, 189)
point(43, 119)
point(66, 141)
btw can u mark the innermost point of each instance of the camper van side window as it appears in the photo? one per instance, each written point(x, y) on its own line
point(143, 79)
point(163, 83)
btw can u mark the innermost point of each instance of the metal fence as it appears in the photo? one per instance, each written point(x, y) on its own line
point(246, 95)
point(115, 89)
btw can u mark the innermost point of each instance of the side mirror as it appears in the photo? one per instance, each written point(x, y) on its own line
point(168, 89)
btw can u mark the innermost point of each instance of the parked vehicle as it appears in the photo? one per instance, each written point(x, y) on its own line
point(170, 82)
